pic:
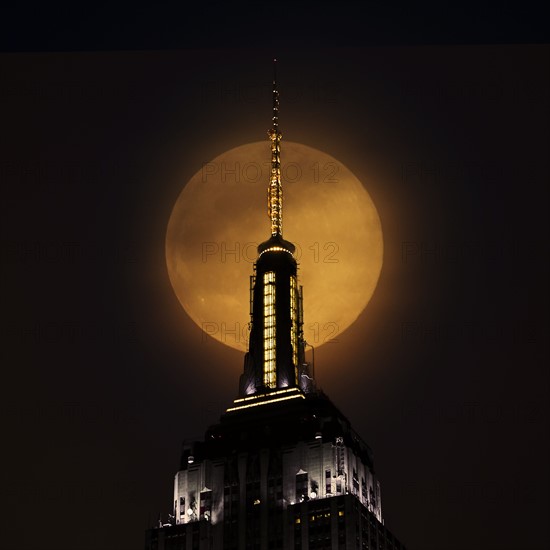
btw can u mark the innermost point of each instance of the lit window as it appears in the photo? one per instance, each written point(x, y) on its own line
point(294, 323)
point(270, 360)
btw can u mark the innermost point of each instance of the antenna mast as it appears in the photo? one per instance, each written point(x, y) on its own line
point(275, 191)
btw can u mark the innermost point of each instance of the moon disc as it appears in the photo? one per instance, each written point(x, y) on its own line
point(220, 217)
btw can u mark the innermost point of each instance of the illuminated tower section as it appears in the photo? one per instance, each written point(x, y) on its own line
point(276, 359)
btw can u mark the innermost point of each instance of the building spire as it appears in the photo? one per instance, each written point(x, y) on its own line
point(275, 190)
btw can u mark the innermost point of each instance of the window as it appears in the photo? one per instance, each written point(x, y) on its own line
point(340, 455)
point(294, 323)
point(205, 504)
point(301, 486)
point(270, 321)
point(328, 483)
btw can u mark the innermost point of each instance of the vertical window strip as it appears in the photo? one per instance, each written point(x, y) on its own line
point(294, 323)
point(270, 360)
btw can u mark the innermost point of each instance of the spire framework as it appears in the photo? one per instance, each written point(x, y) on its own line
point(275, 190)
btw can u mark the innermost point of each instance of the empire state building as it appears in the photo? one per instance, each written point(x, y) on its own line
point(283, 468)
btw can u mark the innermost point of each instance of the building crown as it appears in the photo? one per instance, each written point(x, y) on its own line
point(275, 362)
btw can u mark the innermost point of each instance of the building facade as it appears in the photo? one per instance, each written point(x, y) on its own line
point(283, 468)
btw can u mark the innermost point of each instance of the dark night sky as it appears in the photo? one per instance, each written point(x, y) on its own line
point(105, 115)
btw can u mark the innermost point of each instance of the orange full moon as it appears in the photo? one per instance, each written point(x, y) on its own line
point(220, 217)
